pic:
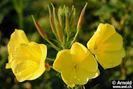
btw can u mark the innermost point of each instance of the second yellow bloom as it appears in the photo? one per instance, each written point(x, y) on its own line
point(76, 65)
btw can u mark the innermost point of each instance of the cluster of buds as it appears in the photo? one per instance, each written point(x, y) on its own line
point(63, 26)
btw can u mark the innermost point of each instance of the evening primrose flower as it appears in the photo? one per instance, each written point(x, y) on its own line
point(107, 45)
point(76, 65)
point(26, 59)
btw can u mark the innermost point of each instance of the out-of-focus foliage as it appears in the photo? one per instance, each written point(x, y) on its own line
point(17, 14)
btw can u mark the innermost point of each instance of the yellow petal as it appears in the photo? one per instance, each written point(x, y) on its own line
point(17, 37)
point(111, 59)
point(64, 63)
point(28, 61)
point(86, 70)
point(104, 31)
point(69, 76)
point(76, 65)
point(114, 42)
point(63, 60)
point(79, 51)
point(107, 42)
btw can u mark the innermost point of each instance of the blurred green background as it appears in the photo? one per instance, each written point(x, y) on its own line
point(17, 14)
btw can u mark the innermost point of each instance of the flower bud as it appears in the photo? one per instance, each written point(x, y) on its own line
point(39, 29)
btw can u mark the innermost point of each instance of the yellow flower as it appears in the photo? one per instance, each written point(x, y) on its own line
point(107, 45)
point(26, 59)
point(76, 65)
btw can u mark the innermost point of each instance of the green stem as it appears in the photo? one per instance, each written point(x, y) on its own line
point(50, 59)
point(20, 16)
point(123, 67)
point(83, 87)
point(52, 45)
point(67, 37)
point(75, 37)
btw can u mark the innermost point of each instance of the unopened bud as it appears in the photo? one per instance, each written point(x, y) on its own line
point(57, 26)
point(39, 29)
point(48, 67)
point(80, 21)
